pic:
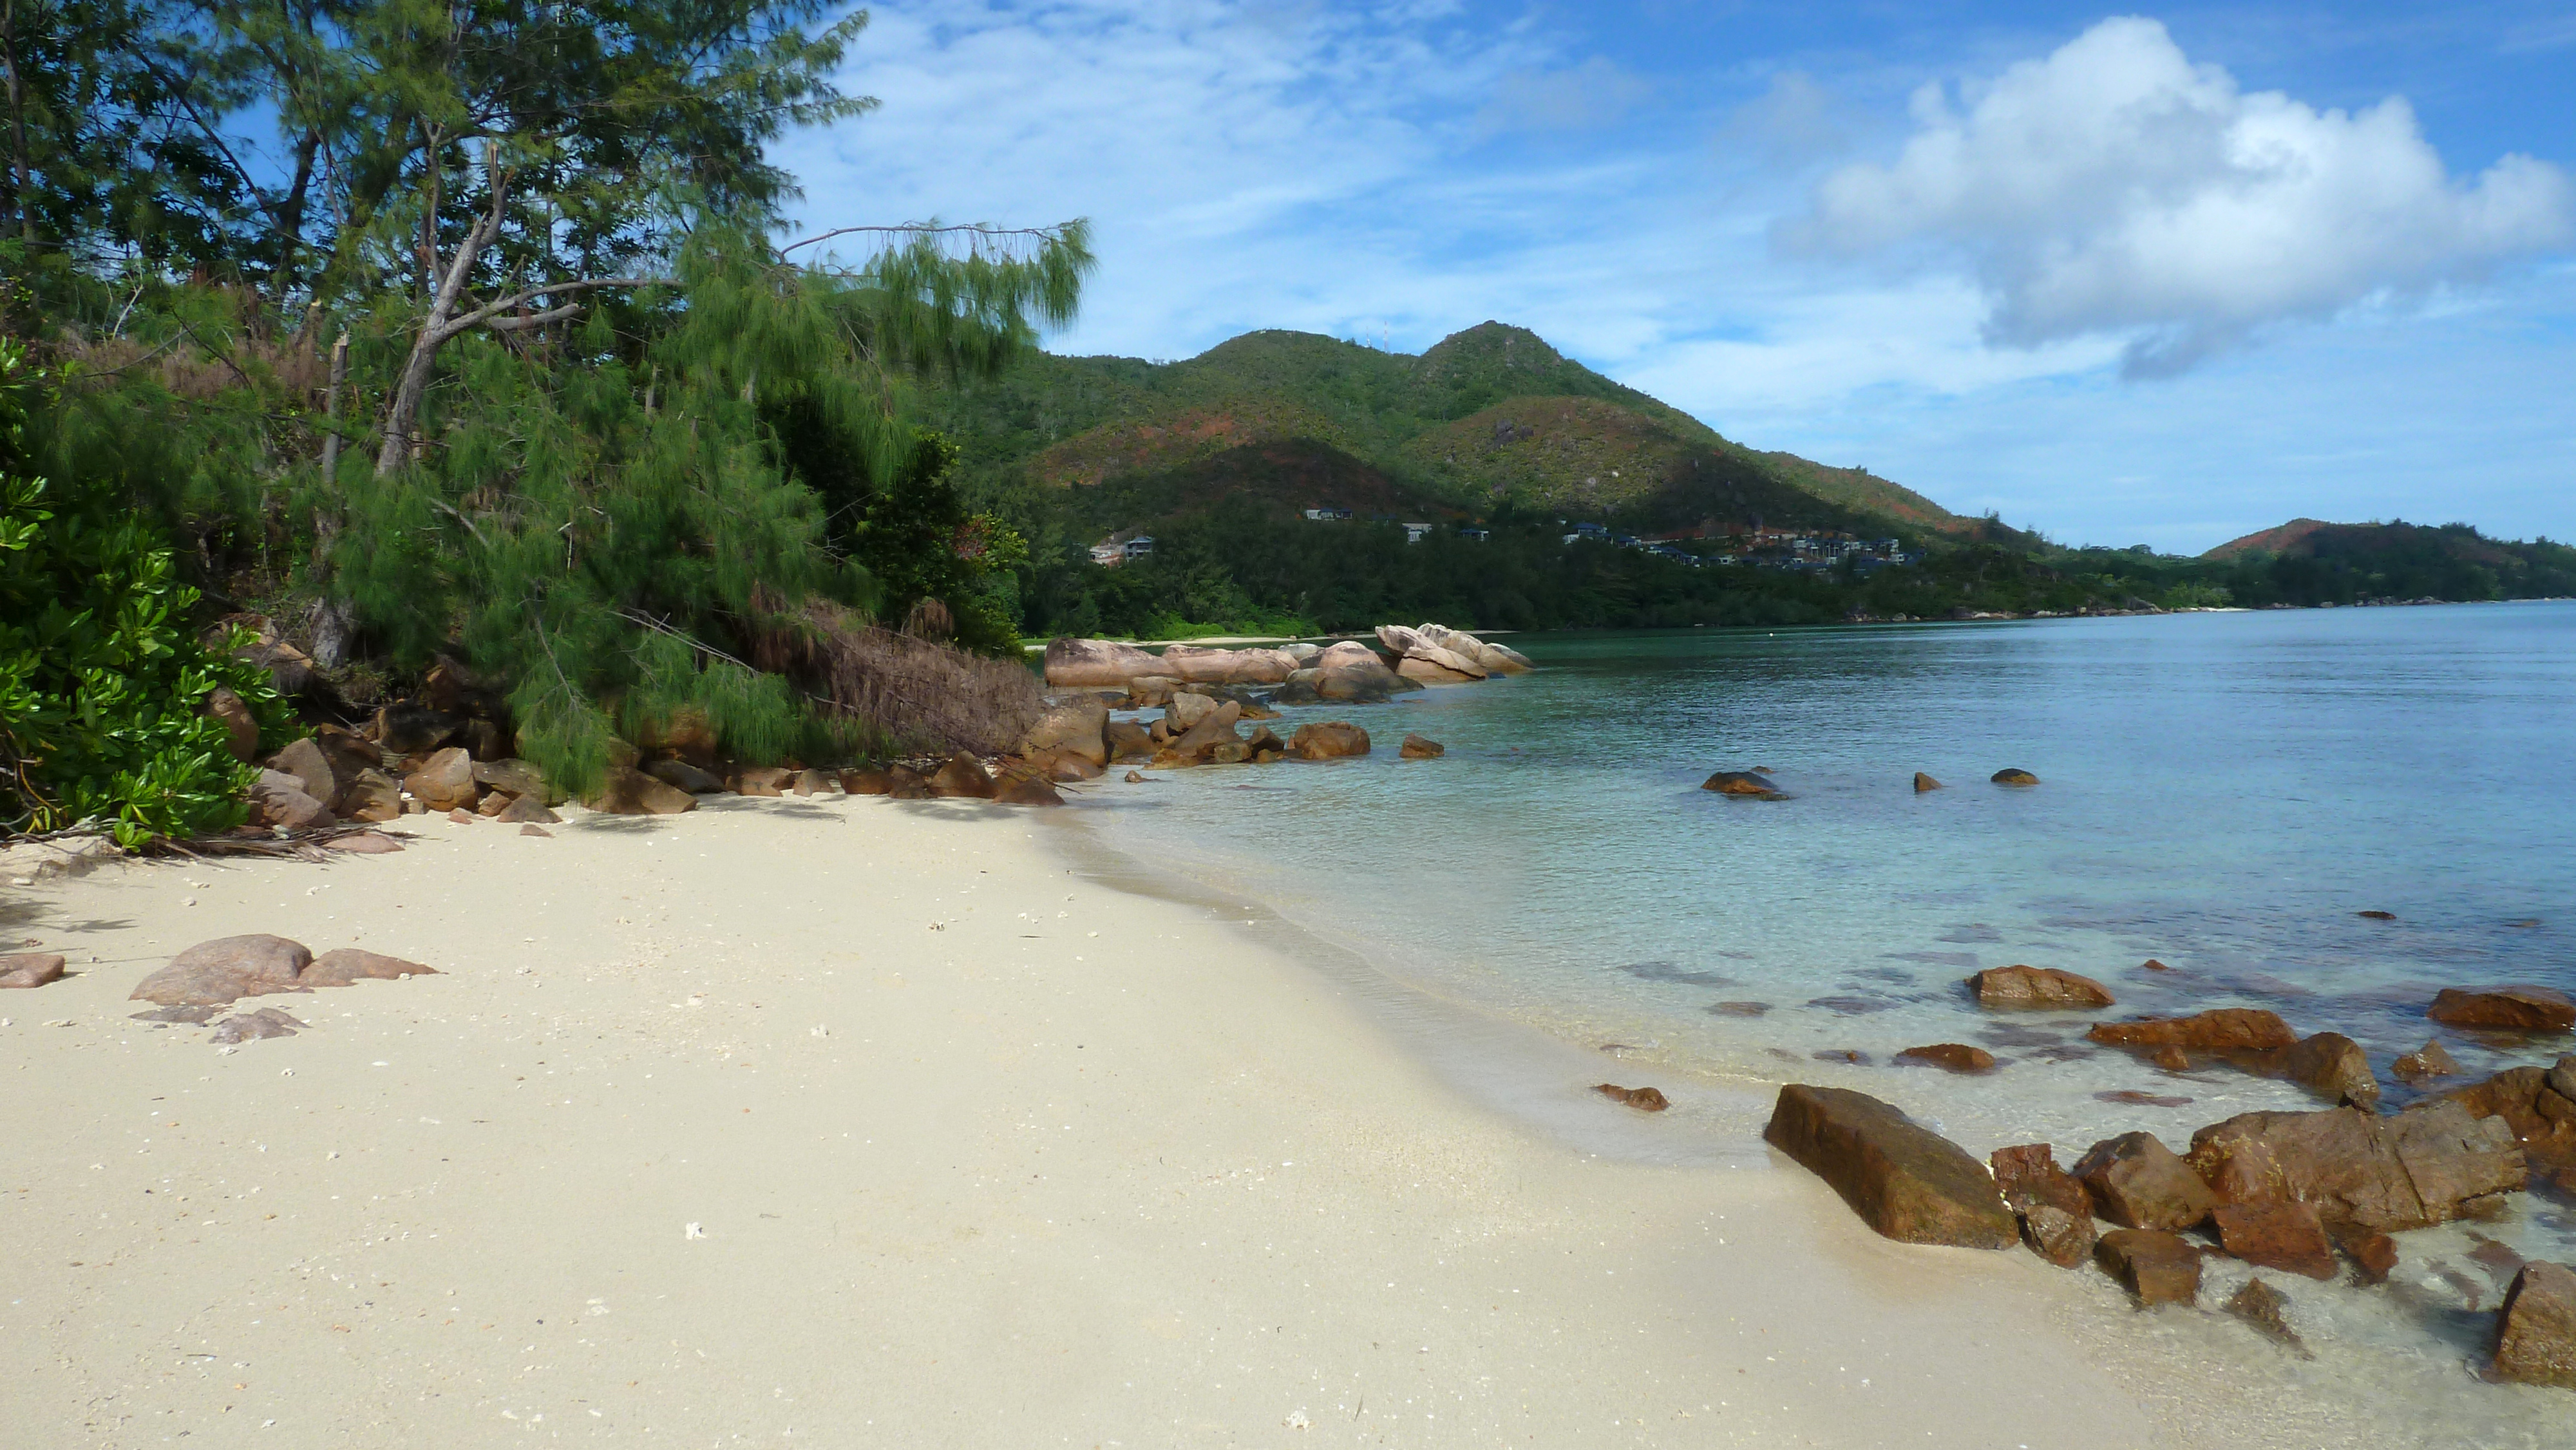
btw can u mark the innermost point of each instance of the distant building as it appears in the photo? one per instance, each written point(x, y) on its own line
point(1413, 532)
point(1140, 546)
point(1109, 555)
point(1328, 515)
point(1476, 535)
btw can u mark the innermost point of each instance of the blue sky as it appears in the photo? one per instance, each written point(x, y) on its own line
point(2157, 278)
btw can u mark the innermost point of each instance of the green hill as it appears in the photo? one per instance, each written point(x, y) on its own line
point(2306, 561)
point(1490, 423)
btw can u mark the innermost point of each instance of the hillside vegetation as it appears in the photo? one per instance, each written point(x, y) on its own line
point(1491, 423)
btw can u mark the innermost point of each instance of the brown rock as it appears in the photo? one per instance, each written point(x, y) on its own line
point(1923, 783)
point(343, 965)
point(2131, 1097)
point(904, 783)
point(514, 777)
point(686, 733)
point(1090, 663)
point(1740, 782)
point(865, 782)
point(364, 843)
point(2011, 775)
point(2373, 1254)
point(2533, 1103)
point(2420, 1167)
point(408, 728)
point(625, 791)
point(1076, 726)
point(1199, 664)
point(2378, 915)
point(1904, 1180)
point(525, 810)
point(2225, 1029)
point(463, 817)
point(1417, 747)
point(2261, 1305)
point(2278, 1235)
point(2512, 1009)
point(1328, 740)
point(1136, 777)
point(681, 775)
point(1229, 752)
point(1026, 788)
point(2536, 1330)
point(2332, 1066)
point(762, 780)
point(2171, 1058)
point(1649, 1099)
point(2055, 1210)
point(533, 829)
point(962, 776)
point(2137, 1182)
point(1740, 1009)
point(2018, 986)
point(1064, 766)
point(304, 760)
point(445, 781)
point(813, 782)
point(2157, 1267)
point(252, 1026)
point(29, 969)
point(241, 727)
point(2152, 965)
point(1127, 740)
point(1950, 1057)
point(279, 799)
point(370, 795)
point(494, 802)
point(1351, 673)
point(2429, 1060)
point(224, 970)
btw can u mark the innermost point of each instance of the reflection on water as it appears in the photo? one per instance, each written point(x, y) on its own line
point(2220, 793)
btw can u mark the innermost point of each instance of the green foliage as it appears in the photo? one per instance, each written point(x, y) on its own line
point(103, 687)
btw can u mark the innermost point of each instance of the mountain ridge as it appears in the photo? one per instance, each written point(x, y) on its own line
point(1491, 420)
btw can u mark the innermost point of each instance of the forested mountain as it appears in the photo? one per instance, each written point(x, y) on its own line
point(1489, 423)
point(2305, 561)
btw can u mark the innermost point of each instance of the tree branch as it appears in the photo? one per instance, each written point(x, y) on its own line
point(482, 316)
point(1043, 234)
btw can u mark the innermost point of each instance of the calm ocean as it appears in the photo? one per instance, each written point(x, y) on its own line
point(2220, 792)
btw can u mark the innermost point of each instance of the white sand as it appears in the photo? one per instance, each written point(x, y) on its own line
point(1081, 1168)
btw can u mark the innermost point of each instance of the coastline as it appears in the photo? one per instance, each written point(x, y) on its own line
point(1233, 1207)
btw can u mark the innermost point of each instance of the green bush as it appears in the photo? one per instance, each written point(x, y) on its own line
point(102, 687)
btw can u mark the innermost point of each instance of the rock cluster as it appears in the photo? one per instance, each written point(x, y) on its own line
point(1345, 672)
point(200, 983)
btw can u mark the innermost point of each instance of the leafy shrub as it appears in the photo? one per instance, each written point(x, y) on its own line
point(102, 687)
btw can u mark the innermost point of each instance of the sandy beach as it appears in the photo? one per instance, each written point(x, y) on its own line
point(871, 1123)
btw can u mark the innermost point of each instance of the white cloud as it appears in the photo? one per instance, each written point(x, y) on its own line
point(1581, 98)
point(2114, 187)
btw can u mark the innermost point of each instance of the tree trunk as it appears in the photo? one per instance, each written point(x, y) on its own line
point(17, 123)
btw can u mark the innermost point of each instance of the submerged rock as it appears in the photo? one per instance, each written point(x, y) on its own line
point(1950, 1057)
point(2536, 1330)
point(1906, 1181)
point(1924, 782)
point(2262, 1306)
point(1421, 747)
point(1740, 782)
point(1649, 1099)
point(2513, 1009)
point(2037, 987)
point(2013, 775)
point(2226, 1028)
point(2373, 1254)
point(2157, 1267)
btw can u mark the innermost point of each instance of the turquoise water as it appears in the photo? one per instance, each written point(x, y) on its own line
point(2220, 792)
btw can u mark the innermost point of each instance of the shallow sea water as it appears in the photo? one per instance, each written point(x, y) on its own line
point(2223, 793)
